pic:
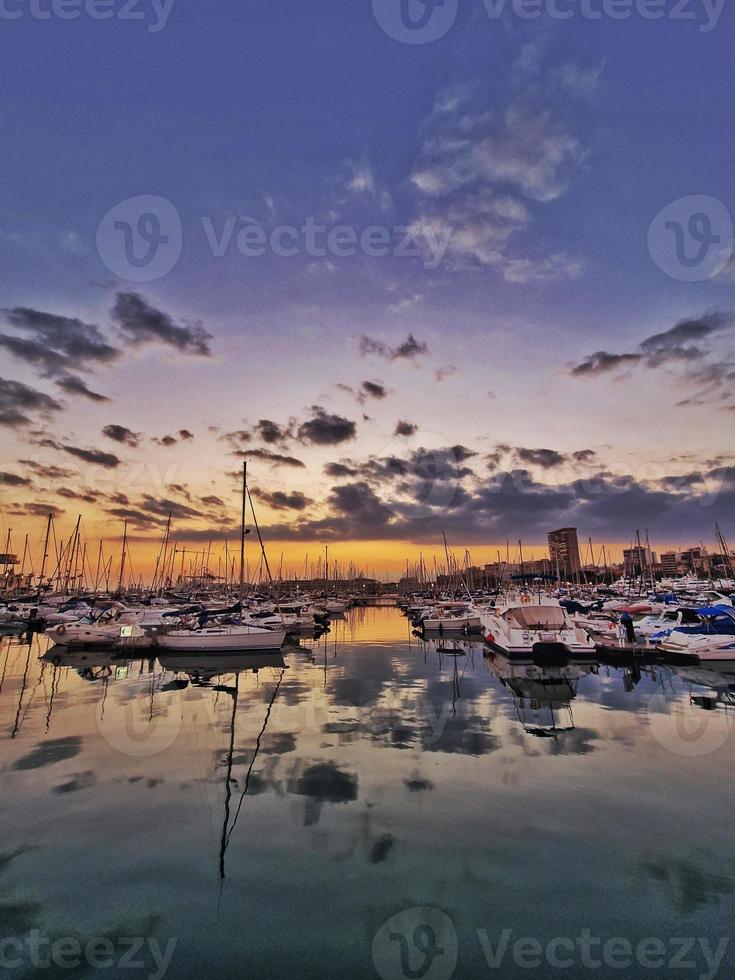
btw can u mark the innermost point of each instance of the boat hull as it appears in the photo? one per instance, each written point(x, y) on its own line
point(218, 642)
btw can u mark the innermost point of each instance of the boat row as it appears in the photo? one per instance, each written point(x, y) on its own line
point(521, 621)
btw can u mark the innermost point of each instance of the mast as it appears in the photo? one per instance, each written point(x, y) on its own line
point(242, 530)
point(45, 555)
point(123, 555)
point(7, 558)
point(725, 550)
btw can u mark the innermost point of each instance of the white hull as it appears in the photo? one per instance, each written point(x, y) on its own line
point(453, 623)
point(519, 629)
point(222, 638)
point(700, 646)
point(112, 636)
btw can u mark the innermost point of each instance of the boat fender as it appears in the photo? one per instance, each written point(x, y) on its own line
point(61, 630)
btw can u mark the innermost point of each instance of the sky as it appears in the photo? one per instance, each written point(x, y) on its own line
point(463, 268)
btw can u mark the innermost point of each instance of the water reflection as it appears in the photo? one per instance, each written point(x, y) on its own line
point(367, 766)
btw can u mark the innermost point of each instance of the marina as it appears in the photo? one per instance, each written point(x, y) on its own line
point(199, 799)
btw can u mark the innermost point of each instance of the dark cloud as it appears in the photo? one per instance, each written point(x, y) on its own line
point(546, 458)
point(340, 470)
point(185, 435)
point(367, 390)
point(57, 342)
point(279, 500)
point(326, 430)
point(17, 399)
point(75, 386)
point(13, 480)
point(47, 471)
point(584, 455)
point(89, 497)
point(278, 459)
point(141, 323)
point(165, 441)
point(236, 439)
point(373, 389)
point(681, 344)
point(121, 434)
point(94, 456)
point(417, 497)
point(38, 510)
point(442, 373)
point(601, 362)
point(271, 432)
point(409, 349)
point(405, 428)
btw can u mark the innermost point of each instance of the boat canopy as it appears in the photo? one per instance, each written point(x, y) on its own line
point(717, 611)
point(530, 617)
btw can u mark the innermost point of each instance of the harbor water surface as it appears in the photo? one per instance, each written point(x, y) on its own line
point(367, 805)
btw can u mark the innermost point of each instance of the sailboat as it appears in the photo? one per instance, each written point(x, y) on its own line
point(225, 637)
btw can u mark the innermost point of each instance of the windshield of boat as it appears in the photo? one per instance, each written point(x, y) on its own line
point(537, 617)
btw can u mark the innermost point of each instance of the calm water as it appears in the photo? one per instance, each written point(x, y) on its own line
point(372, 776)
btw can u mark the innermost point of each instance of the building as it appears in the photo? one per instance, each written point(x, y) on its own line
point(639, 560)
point(669, 564)
point(564, 553)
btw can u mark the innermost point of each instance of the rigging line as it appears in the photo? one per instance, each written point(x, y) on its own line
point(255, 754)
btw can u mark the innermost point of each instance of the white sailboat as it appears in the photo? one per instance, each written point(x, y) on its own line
point(218, 639)
point(225, 637)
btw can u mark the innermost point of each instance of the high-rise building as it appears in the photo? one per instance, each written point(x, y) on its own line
point(564, 553)
point(670, 564)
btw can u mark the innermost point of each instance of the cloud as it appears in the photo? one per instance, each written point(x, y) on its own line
point(94, 456)
point(325, 429)
point(272, 433)
point(18, 399)
point(340, 470)
point(278, 459)
point(686, 344)
point(601, 362)
point(57, 343)
point(546, 458)
point(409, 349)
point(584, 455)
point(527, 149)
point(373, 389)
point(442, 373)
point(121, 434)
point(75, 386)
point(577, 81)
point(479, 175)
point(36, 509)
point(47, 471)
point(367, 390)
point(140, 323)
point(278, 500)
point(405, 428)
point(13, 480)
